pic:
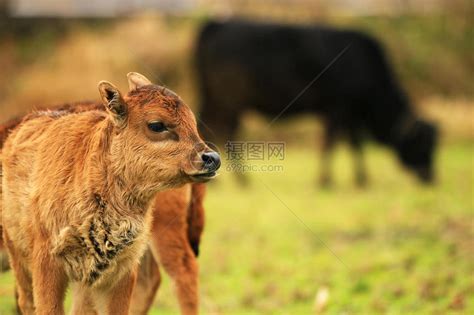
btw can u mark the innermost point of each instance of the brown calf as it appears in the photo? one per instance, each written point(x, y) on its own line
point(181, 218)
point(76, 209)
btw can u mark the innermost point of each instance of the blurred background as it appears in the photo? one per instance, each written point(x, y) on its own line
point(281, 244)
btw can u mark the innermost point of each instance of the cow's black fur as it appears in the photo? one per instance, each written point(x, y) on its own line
point(244, 65)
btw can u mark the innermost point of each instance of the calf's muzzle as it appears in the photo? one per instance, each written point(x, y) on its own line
point(212, 161)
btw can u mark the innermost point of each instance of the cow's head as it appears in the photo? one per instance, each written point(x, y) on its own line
point(154, 140)
point(416, 148)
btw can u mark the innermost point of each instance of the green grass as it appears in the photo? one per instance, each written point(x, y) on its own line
point(394, 248)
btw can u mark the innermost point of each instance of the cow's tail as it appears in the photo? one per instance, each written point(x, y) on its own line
point(196, 216)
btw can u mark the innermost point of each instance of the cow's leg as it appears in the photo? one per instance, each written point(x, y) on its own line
point(49, 281)
point(23, 286)
point(170, 244)
point(148, 282)
point(359, 165)
point(236, 152)
point(329, 138)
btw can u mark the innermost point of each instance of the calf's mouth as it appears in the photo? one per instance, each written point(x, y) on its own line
point(203, 177)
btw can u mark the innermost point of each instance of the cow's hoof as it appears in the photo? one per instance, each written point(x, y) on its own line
point(361, 181)
point(325, 182)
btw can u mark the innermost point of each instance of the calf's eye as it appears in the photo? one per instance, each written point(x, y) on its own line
point(157, 126)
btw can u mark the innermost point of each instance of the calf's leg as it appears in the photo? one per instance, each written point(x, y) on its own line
point(49, 281)
point(23, 287)
point(171, 245)
point(148, 282)
point(117, 299)
point(83, 303)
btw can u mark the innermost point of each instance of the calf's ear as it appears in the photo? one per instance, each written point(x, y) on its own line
point(113, 102)
point(137, 80)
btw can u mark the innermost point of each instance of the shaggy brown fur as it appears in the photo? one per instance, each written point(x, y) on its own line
point(92, 202)
point(187, 216)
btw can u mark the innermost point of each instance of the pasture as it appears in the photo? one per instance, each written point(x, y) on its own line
point(396, 247)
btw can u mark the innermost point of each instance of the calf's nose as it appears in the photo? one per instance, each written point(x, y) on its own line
point(211, 160)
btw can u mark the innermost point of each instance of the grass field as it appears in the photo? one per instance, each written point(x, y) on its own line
point(393, 248)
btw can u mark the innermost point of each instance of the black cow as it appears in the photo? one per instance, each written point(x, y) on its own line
point(282, 70)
